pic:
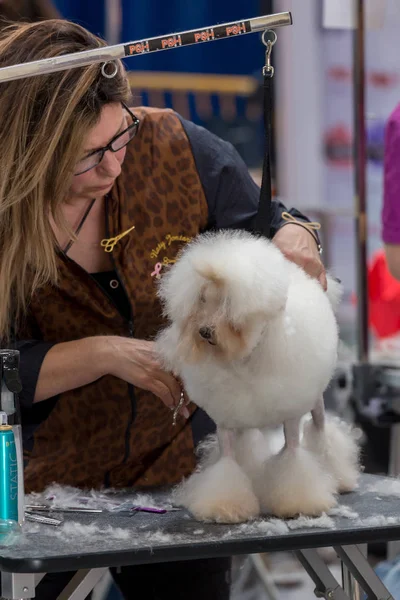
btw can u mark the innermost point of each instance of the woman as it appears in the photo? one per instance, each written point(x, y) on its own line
point(95, 201)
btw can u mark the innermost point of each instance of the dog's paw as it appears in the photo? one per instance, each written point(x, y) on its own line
point(293, 483)
point(311, 502)
point(221, 492)
point(228, 510)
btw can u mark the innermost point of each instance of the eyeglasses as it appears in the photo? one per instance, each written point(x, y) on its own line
point(117, 143)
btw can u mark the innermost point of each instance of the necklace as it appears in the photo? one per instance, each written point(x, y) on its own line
point(85, 216)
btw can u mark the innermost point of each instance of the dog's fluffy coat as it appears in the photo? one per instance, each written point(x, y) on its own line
point(254, 340)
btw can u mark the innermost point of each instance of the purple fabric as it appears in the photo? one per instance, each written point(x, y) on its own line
point(391, 186)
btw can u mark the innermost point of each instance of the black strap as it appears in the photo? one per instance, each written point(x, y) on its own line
point(85, 216)
point(262, 223)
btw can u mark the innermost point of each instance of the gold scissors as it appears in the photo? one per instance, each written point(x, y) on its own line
point(109, 243)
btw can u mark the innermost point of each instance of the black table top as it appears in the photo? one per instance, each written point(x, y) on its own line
point(98, 540)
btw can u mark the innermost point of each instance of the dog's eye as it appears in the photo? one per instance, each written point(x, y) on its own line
point(202, 298)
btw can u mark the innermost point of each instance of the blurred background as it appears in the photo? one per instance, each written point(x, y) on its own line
point(218, 85)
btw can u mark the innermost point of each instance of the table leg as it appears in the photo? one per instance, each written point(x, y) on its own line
point(21, 586)
point(358, 575)
point(326, 585)
point(18, 586)
point(359, 567)
point(82, 584)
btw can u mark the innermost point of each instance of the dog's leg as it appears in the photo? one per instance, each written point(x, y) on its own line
point(293, 481)
point(222, 491)
point(318, 415)
point(331, 439)
point(226, 439)
point(291, 430)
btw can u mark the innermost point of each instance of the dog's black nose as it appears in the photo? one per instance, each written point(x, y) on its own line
point(205, 333)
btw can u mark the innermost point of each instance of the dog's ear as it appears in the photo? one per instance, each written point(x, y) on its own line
point(208, 273)
point(250, 323)
point(238, 339)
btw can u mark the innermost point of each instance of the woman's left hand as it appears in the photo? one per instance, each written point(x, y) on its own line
point(299, 246)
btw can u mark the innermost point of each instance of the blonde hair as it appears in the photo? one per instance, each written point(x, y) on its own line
point(43, 121)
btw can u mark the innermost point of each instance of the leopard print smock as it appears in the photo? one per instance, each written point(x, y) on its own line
point(105, 433)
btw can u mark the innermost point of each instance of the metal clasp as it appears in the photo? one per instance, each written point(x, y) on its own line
point(268, 69)
point(109, 73)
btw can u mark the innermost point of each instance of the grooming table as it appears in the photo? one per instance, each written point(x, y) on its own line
point(370, 514)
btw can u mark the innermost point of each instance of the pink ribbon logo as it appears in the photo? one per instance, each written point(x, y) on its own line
point(157, 270)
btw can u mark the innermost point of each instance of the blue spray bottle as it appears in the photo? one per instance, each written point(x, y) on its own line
point(8, 472)
point(12, 505)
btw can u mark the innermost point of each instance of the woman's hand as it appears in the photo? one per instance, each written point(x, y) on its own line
point(136, 362)
point(299, 246)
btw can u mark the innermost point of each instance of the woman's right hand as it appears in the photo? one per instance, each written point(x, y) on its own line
point(135, 361)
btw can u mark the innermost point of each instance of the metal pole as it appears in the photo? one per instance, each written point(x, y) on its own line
point(113, 20)
point(350, 585)
point(360, 182)
point(165, 42)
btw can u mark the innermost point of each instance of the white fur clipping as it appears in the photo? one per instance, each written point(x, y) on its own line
point(275, 527)
point(387, 487)
point(264, 527)
point(74, 529)
point(377, 521)
point(58, 496)
point(302, 522)
point(343, 511)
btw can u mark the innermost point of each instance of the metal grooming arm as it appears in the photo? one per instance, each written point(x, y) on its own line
point(140, 47)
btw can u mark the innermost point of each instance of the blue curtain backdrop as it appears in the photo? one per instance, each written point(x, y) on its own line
point(149, 18)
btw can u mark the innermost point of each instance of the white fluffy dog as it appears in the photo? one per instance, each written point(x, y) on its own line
point(254, 340)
